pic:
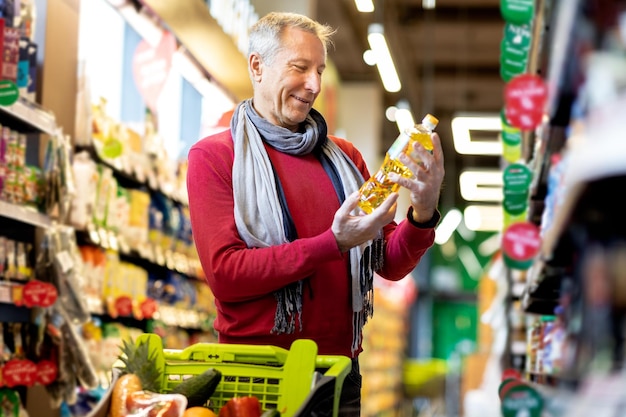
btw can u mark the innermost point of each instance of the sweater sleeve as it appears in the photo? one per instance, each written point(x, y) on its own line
point(234, 271)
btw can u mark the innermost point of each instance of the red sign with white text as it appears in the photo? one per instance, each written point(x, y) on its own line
point(521, 241)
point(151, 67)
point(525, 97)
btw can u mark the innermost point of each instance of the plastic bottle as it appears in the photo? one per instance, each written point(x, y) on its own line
point(376, 189)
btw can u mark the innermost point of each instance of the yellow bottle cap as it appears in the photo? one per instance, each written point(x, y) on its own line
point(430, 122)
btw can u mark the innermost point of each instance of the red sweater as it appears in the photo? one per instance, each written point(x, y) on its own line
point(243, 280)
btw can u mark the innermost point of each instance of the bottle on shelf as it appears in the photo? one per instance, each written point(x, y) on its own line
point(378, 187)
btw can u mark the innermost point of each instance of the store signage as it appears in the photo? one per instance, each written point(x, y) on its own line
point(521, 400)
point(514, 50)
point(151, 67)
point(19, 372)
point(148, 307)
point(9, 92)
point(10, 400)
point(39, 294)
point(517, 178)
point(517, 11)
point(525, 96)
point(47, 372)
point(511, 137)
point(520, 243)
point(123, 306)
point(518, 36)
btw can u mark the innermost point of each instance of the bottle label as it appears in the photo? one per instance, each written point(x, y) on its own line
point(399, 145)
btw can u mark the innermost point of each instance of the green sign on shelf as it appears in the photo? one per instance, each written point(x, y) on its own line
point(522, 400)
point(517, 11)
point(8, 92)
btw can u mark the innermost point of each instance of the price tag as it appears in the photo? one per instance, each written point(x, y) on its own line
point(5, 294)
point(113, 242)
point(65, 261)
point(92, 231)
point(104, 237)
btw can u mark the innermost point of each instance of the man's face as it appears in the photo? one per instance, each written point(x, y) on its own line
point(287, 87)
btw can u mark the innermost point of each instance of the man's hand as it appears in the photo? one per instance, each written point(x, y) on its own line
point(427, 178)
point(352, 230)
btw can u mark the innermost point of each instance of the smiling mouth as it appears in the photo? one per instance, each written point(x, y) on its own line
point(301, 100)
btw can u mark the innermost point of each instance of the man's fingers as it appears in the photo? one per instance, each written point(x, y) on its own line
point(349, 204)
point(388, 204)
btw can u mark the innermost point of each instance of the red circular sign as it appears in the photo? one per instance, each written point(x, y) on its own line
point(525, 96)
point(39, 294)
point(521, 241)
point(124, 306)
point(47, 372)
point(19, 372)
point(148, 307)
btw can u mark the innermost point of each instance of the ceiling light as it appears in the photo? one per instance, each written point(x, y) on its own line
point(484, 218)
point(447, 226)
point(404, 119)
point(384, 62)
point(463, 143)
point(428, 4)
point(364, 6)
point(479, 185)
point(369, 57)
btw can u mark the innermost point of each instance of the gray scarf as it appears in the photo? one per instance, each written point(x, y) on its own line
point(263, 220)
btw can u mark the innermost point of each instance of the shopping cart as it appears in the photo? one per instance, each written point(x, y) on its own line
point(297, 382)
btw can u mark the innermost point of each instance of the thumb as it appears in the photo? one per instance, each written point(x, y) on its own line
point(350, 203)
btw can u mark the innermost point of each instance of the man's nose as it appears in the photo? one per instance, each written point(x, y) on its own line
point(314, 82)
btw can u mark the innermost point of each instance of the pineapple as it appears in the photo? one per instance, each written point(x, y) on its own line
point(137, 360)
point(139, 374)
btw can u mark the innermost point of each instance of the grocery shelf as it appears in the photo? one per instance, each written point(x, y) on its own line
point(24, 214)
point(202, 36)
point(29, 117)
point(11, 313)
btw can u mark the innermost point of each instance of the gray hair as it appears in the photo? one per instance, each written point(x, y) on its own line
point(265, 35)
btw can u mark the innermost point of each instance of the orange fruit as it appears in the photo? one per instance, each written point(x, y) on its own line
point(199, 412)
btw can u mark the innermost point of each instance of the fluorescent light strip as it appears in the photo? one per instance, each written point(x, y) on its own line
point(463, 143)
point(447, 226)
point(404, 119)
point(364, 6)
point(477, 185)
point(484, 218)
point(470, 261)
point(384, 62)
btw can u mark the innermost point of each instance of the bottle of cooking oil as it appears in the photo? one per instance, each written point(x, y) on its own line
point(376, 189)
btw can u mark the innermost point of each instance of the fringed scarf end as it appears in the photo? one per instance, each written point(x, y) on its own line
point(371, 261)
point(288, 309)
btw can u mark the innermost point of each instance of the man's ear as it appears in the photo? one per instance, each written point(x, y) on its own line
point(256, 66)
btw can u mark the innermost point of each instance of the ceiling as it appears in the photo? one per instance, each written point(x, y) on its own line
point(447, 60)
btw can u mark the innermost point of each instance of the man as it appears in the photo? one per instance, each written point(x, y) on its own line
point(273, 205)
